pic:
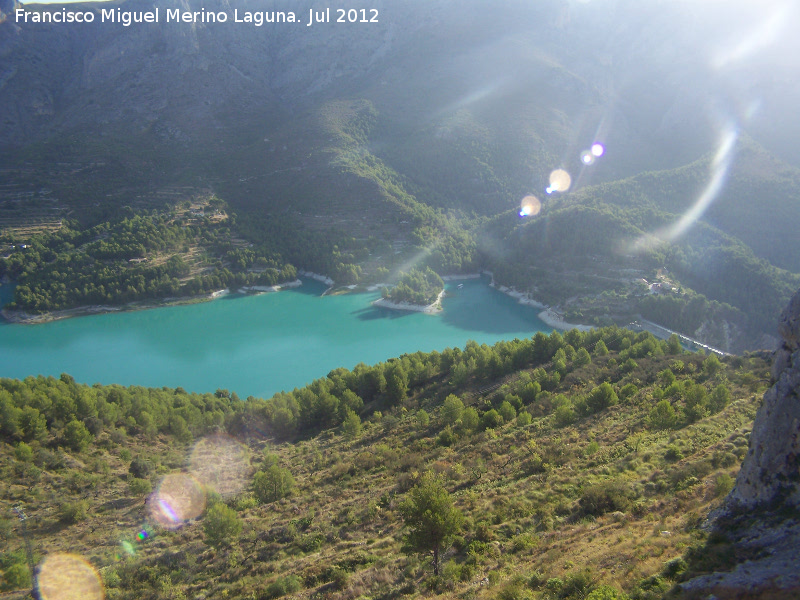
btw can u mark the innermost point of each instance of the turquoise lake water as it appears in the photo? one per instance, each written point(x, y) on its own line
point(256, 345)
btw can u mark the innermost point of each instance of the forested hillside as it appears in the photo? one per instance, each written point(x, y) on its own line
point(566, 466)
point(414, 148)
point(138, 256)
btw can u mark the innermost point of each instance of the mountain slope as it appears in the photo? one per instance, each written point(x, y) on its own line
point(418, 129)
point(546, 464)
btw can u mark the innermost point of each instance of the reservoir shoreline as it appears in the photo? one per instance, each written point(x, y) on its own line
point(431, 308)
point(23, 318)
point(256, 344)
point(547, 315)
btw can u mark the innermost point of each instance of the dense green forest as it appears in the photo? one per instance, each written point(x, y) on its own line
point(138, 256)
point(177, 252)
point(557, 462)
point(582, 246)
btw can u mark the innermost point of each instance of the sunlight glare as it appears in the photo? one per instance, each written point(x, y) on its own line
point(530, 206)
point(414, 260)
point(761, 36)
point(219, 462)
point(560, 181)
point(720, 166)
point(68, 577)
point(128, 548)
point(178, 499)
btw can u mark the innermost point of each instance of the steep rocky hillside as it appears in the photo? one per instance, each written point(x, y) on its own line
point(579, 463)
point(756, 534)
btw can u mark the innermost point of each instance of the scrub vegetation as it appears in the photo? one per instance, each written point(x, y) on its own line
point(562, 466)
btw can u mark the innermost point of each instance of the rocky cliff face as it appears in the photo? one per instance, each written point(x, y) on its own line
point(760, 515)
point(771, 470)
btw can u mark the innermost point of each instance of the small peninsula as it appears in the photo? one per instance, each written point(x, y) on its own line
point(418, 290)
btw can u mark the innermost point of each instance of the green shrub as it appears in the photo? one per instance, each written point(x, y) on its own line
point(673, 453)
point(311, 542)
point(554, 585)
point(602, 397)
point(723, 484)
point(720, 398)
point(723, 459)
point(605, 497)
point(111, 578)
point(712, 366)
point(273, 484)
point(651, 588)
point(140, 468)
point(513, 591)
point(491, 419)
point(447, 437)
point(576, 585)
point(689, 474)
point(139, 487)
point(452, 410)
point(696, 402)
point(337, 576)
point(221, 525)
point(450, 573)
point(16, 577)
point(246, 502)
point(523, 542)
point(23, 452)
point(628, 391)
point(73, 512)
point(606, 592)
point(582, 357)
point(662, 416)
point(76, 436)
point(351, 426)
point(470, 420)
point(507, 411)
point(674, 567)
point(564, 415)
point(290, 584)
point(717, 554)
point(666, 377)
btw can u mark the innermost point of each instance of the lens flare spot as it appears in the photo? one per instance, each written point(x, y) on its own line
point(128, 547)
point(598, 150)
point(529, 206)
point(68, 577)
point(560, 181)
point(221, 463)
point(587, 157)
point(178, 499)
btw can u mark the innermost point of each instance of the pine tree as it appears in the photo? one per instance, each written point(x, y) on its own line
point(433, 519)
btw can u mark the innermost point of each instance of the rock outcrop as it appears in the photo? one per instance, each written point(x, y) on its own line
point(6, 8)
point(760, 516)
point(772, 466)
